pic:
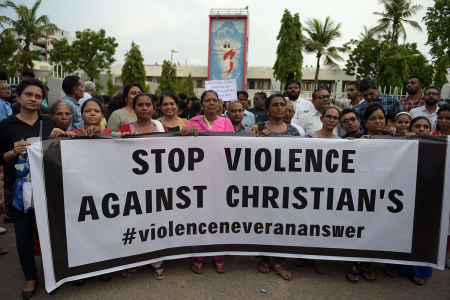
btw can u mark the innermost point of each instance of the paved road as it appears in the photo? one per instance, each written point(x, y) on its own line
point(181, 283)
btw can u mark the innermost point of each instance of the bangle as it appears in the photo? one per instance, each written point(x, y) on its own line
point(11, 154)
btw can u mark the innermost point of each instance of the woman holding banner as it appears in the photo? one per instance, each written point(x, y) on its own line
point(169, 107)
point(330, 119)
point(276, 109)
point(14, 131)
point(92, 115)
point(210, 122)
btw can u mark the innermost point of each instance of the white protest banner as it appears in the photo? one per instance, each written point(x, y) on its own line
point(226, 89)
point(107, 203)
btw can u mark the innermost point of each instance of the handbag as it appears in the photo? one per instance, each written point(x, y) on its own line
point(23, 192)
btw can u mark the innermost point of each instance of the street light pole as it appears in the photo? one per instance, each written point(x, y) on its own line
point(171, 56)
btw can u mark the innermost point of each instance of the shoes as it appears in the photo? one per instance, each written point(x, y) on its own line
point(2, 230)
point(29, 294)
point(7, 220)
point(447, 263)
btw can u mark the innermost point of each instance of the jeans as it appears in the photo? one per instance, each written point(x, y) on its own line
point(24, 227)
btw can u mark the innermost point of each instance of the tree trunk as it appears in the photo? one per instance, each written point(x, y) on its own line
point(394, 39)
point(316, 79)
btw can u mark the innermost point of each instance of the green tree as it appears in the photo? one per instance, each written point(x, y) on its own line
point(362, 60)
point(321, 36)
point(110, 86)
point(29, 29)
point(169, 80)
point(393, 69)
point(133, 70)
point(91, 52)
point(186, 86)
point(288, 64)
point(418, 64)
point(440, 77)
point(8, 46)
point(437, 20)
point(395, 15)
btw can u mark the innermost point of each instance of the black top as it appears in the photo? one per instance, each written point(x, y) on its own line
point(174, 129)
point(13, 130)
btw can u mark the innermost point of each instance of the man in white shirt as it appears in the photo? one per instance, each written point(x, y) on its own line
point(429, 110)
point(89, 91)
point(310, 122)
point(302, 106)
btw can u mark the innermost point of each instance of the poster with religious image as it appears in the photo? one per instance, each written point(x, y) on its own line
point(228, 49)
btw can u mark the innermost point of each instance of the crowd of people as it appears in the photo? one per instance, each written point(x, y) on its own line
point(365, 113)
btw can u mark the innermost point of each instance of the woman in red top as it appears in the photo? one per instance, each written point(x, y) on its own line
point(92, 115)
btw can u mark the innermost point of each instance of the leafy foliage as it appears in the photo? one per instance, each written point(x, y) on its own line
point(393, 69)
point(169, 80)
point(8, 46)
point(110, 86)
point(440, 78)
point(91, 52)
point(362, 61)
point(288, 64)
point(437, 20)
point(29, 29)
point(186, 86)
point(133, 71)
point(394, 16)
point(321, 36)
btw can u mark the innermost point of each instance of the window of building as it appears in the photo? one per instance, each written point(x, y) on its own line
point(252, 85)
point(199, 83)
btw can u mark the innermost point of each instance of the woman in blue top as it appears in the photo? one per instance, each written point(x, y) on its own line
point(330, 119)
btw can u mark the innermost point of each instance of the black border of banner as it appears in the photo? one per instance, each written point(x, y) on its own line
point(426, 229)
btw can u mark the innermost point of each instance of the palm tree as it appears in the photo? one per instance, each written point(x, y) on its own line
point(321, 36)
point(29, 28)
point(395, 14)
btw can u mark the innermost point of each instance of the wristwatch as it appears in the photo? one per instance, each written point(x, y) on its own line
point(11, 154)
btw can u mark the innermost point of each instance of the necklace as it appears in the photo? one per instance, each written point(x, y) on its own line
point(139, 130)
point(207, 122)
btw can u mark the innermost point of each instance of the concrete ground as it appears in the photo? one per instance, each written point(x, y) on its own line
point(242, 281)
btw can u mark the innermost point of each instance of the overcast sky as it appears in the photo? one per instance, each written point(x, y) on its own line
point(158, 26)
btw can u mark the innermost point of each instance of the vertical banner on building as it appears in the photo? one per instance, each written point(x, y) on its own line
point(228, 41)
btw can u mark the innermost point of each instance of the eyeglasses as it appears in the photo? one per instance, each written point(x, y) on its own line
point(30, 95)
point(331, 118)
point(323, 97)
point(352, 119)
point(431, 94)
point(5, 89)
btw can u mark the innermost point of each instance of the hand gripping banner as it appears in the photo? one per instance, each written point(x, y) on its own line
point(107, 203)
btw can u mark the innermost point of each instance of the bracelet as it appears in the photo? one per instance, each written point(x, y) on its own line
point(11, 154)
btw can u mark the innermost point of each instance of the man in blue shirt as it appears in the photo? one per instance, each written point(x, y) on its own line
point(258, 109)
point(73, 87)
point(5, 93)
point(369, 91)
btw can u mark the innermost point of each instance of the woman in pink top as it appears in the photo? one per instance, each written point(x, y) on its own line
point(210, 121)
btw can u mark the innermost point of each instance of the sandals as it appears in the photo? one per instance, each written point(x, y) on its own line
point(366, 274)
point(199, 265)
point(354, 274)
point(281, 273)
point(158, 273)
point(219, 266)
point(390, 273)
point(418, 280)
point(79, 282)
point(130, 272)
point(106, 277)
point(264, 267)
point(28, 294)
